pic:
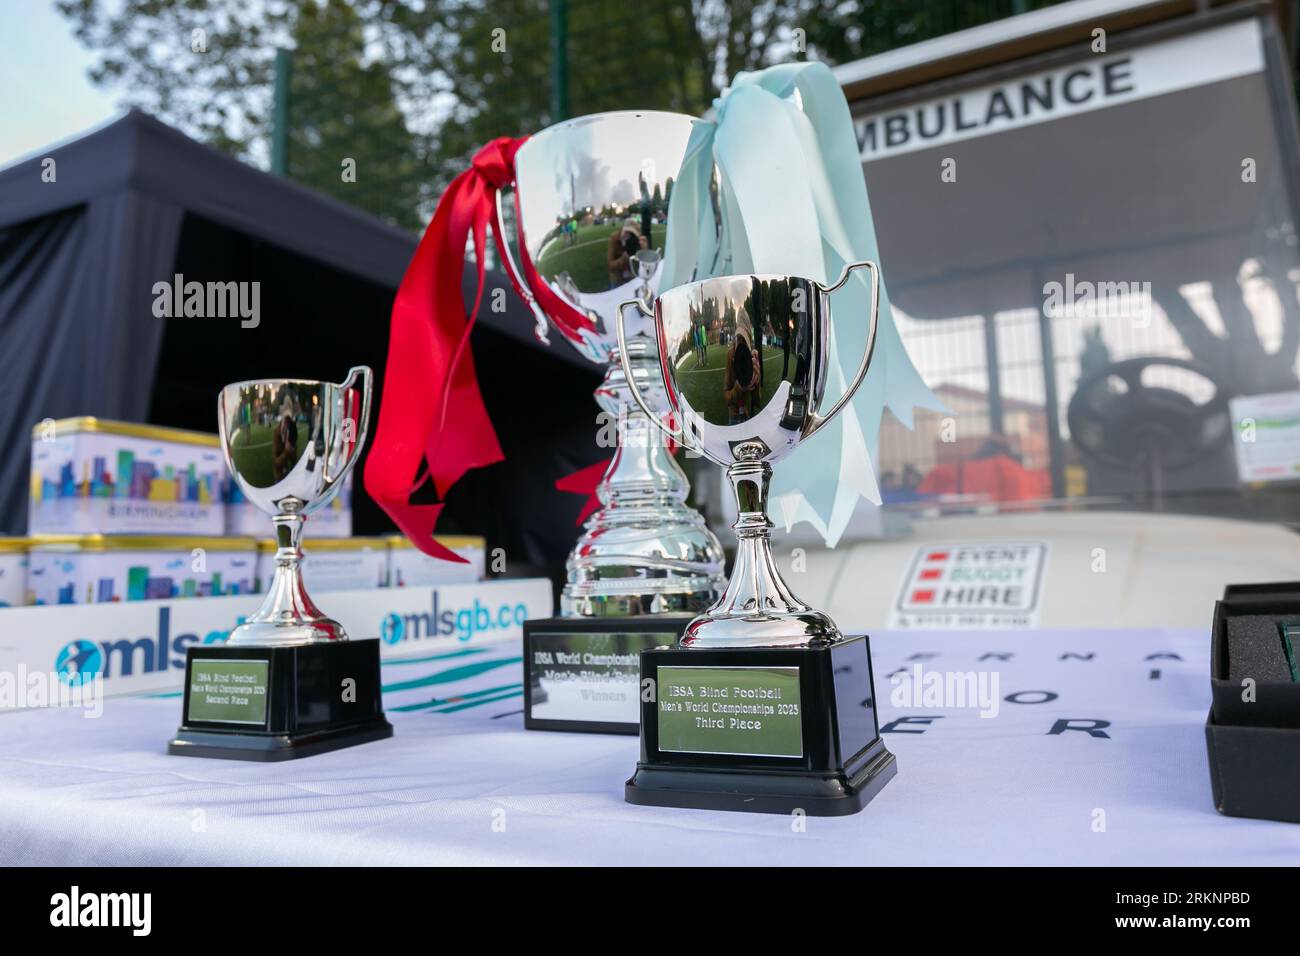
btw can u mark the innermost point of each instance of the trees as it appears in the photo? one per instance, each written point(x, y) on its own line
point(204, 66)
point(347, 136)
point(409, 90)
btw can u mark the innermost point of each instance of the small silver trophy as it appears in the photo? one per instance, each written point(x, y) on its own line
point(289, 444)
point(744, 360)
point(288, 682)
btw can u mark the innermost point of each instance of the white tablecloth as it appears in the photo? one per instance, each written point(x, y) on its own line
point(462, 783)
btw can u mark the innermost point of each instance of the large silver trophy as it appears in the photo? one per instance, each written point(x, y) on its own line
point(288, 682)
point(765, 685)
point(580, 195)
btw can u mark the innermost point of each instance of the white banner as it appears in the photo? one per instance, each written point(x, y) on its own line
point(1091, 83)
point(139, 646)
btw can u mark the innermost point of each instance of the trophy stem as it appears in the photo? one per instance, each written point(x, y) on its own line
point(641, 473)
point(757, 609)
point(645, 551)
point(288, 615)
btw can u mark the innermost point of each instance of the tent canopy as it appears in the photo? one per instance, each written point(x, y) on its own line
point(138, 155)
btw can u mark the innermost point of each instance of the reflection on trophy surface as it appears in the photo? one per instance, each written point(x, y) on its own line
point(646, 264)
point(590, 205)
point(744, 360)
point(289, 444)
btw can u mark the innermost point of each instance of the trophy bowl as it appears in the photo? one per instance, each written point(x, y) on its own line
point(744, 362)
point(289, 444)
point(590, 199)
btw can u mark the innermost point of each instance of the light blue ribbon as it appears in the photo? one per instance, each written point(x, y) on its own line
point(794, 202)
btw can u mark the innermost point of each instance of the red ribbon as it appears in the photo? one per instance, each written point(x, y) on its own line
point(584, 482)
point(432, 419)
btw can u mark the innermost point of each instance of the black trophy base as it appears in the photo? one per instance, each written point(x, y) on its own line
point(582, 674)
point(817, 795)
point(227, 746)
point(761, 730)
point(280, 703)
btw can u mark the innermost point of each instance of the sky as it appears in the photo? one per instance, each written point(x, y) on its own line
point(45, 93)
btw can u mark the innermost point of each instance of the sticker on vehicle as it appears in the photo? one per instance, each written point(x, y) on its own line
point(972, 586)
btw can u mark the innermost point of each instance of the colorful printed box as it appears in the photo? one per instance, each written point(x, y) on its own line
point(408, 566)
point(13, 571)
point(91, 476)
point(332, 521)
point(332, 564)
point(93, 569)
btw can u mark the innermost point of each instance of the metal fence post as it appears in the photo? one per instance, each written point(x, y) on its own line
point(280, 113)
point(559, 60)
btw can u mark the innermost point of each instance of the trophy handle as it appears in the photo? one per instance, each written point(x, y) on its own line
point(817, 420)
point(672, 431)
point(223, 432)
point(541, 330)
point(367, 377)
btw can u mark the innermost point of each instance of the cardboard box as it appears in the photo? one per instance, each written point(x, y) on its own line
point(93, 569)
point(13, 571)
point(92, 476)
point(408, 566)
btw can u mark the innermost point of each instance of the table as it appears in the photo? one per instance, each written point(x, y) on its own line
point(462, 783)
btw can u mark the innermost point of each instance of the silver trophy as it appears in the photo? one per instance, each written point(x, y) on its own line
point(745, 362)
point(644, 551)
point(763, 705)
point(288, 682)
point(289, 444)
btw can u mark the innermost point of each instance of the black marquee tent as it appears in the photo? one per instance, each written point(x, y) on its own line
point(135, 203)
